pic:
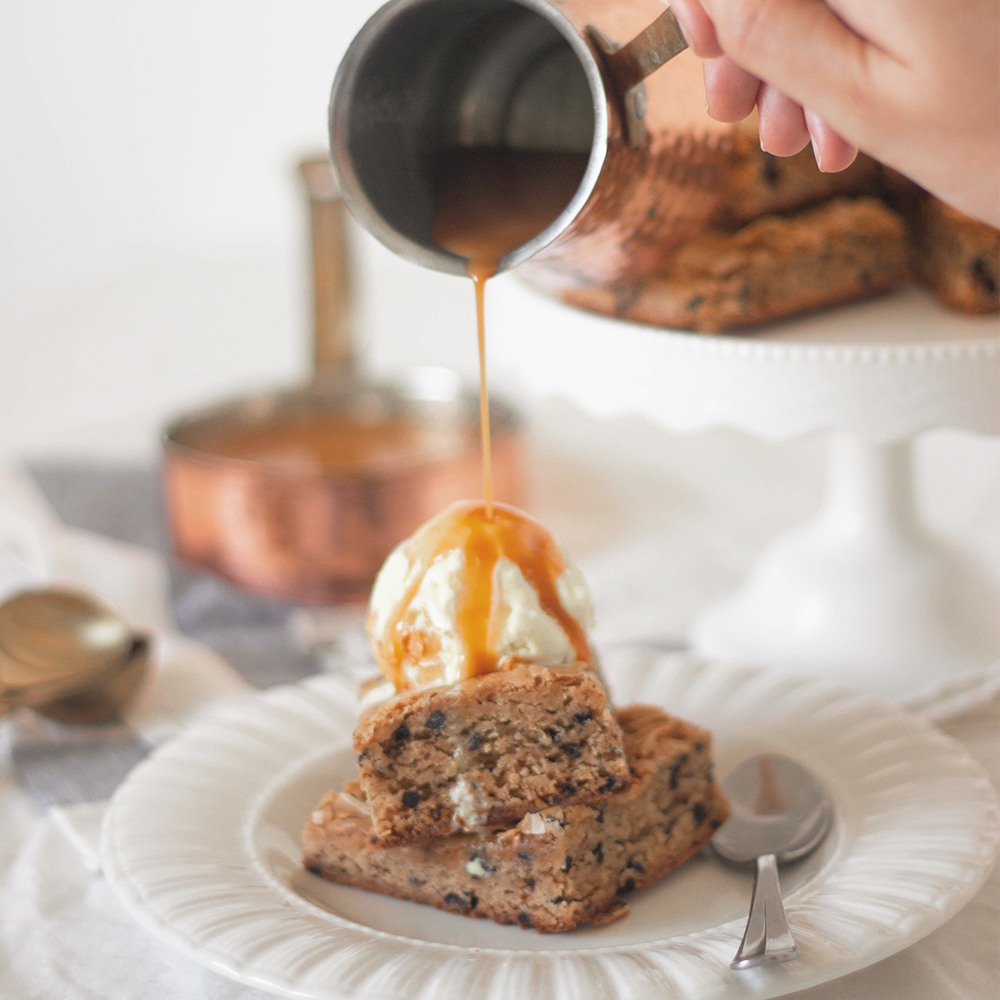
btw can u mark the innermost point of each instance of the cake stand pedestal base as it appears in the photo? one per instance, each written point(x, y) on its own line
point(863, 592)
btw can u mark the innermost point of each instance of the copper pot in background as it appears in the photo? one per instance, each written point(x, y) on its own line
point(301, 494)
point(294, 529)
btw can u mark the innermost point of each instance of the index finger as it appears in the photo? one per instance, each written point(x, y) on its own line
point(799, 46)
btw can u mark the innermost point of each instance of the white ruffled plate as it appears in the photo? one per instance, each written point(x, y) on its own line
point(201, 846)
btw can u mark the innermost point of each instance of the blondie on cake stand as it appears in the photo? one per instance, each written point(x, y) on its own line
point(862, 593)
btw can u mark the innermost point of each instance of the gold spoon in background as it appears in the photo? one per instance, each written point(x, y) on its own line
point(68, 655)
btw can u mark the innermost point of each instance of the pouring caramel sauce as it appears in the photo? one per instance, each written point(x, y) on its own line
point(488, 201)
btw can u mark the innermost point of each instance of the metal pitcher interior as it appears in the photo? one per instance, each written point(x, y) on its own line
point(427, 75)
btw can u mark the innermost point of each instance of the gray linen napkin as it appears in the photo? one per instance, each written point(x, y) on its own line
point(60, 764)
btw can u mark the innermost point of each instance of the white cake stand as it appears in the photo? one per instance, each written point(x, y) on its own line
point(863, 592)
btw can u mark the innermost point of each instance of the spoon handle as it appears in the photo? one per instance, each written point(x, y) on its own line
point(767, 937)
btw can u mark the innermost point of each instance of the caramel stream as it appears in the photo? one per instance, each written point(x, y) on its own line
point(488, 201)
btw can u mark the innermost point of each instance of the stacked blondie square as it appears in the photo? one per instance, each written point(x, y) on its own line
point(519, 795)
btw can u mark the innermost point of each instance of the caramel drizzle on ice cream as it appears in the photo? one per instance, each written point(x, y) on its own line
point(483, 539)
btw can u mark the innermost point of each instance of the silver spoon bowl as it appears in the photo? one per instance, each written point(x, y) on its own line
point(68, 654)
point(779, 812)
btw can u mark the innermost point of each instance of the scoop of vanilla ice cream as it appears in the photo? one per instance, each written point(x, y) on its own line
point(429, 600)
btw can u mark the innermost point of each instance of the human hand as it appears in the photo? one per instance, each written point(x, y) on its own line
point(914, 83)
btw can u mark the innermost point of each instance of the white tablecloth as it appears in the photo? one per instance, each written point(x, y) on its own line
point(657, 536)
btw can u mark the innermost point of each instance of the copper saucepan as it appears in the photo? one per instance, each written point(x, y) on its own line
point(302, 493)
point(316, 531)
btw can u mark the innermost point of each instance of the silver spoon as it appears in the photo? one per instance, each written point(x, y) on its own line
point(779, 812)
point(68, 654)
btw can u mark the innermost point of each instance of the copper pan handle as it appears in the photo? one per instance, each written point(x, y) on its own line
point(628, 65)
point(333, 335)
point(648, 51)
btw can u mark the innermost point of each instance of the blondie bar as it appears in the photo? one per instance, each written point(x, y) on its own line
point(957, 257)
point(773, 267)
point(557, 868)
point(487, 750)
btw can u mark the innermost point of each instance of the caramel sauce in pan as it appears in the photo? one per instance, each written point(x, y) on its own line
point(484, 537)
point(488, 201)
point(335, 441)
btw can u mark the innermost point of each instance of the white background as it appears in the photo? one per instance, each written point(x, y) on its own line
point(153, 234)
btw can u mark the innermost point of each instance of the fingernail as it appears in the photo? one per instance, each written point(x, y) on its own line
point(812, 127)
point(819, 159)
point(679, 12)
